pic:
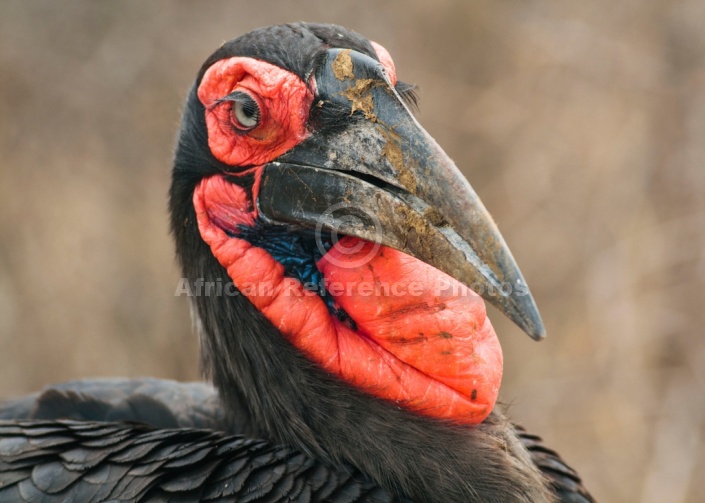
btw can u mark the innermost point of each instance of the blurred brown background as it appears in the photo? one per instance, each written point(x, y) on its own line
point(581, 126)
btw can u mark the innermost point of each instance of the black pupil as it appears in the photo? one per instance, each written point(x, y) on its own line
point(249, 108)
point(247, 105)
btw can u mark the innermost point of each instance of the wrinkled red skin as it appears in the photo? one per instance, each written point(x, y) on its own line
point(426, 345)
point(422, 339)
point(386, 59)
point(284, 101)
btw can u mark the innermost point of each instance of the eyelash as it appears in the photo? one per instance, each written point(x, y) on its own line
point(243, 107)
point(245, 113)
point(407, 92)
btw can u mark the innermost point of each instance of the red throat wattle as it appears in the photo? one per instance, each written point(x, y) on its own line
point(421, 339)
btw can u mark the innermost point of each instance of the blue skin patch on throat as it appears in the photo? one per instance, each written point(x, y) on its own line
point(298, 251)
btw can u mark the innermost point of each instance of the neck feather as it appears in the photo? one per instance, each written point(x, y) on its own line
point(267, 385)
point(271, 390)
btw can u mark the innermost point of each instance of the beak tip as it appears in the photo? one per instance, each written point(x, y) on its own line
point(538, 333)
point(531, 325)
point(534, 326)
point(525, 314)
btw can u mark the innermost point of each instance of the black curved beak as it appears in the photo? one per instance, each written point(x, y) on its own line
point(381, 177)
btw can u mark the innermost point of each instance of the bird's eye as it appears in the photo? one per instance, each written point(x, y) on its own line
point(245, 111)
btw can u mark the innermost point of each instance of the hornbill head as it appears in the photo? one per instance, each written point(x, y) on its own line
point(333, 249)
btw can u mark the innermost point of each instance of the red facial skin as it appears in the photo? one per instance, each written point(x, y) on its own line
point(283, 99)
point(422, 340)
point(386, 59)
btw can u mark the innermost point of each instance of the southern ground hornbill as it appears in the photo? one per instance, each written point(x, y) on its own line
point(328, 244)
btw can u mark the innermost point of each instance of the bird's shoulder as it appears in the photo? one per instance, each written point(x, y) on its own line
point(69, 460)
point(161, 403)
point(564, 480)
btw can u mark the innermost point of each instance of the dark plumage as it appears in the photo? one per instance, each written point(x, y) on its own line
point(152, 440)
point(342, 444)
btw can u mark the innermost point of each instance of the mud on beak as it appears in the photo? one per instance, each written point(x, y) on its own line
point(389, 182)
